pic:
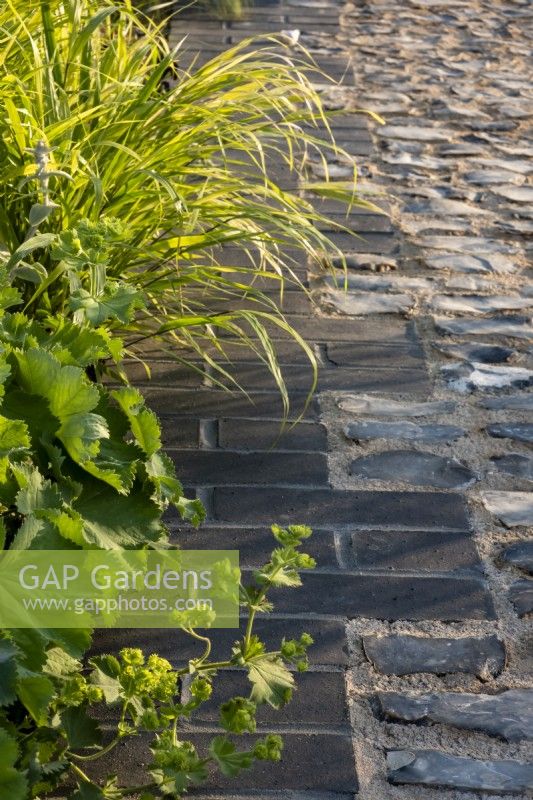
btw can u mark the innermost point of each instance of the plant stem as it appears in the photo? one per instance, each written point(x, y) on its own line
point(205, 639)
point(253, 611)
point(211, 665)
point(85, 778)
point(100, 753)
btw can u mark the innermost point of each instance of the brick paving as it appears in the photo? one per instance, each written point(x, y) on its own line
point(412, 593)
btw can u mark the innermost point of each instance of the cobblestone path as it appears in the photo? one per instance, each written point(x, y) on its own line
point(414, 463)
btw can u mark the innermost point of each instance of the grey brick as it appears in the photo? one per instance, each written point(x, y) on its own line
point(382, 243)
point(318, 701)
point(336, 329)
point(361, 223)
point(212, 467)
point(338, 210)
point(287, 352)
point(329, 507)
point(329, 648)
point(254, 544)
point(363, 354)
point(313, 762)
point(209, 403)
point(297, 377)
point(388, 597)
point(252, 434)
point(179, 432)
point(293, 301)
point(352, 354)
point(384, 381)
point(414, 550)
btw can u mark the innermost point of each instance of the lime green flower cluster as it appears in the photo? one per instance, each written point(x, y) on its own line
point(176, 764)
point(295, 651)
point(269, 748)
point(200, 689)
point(238, 715)
point(153, 678)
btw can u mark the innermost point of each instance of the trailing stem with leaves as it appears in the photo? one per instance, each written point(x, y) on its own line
point(50, 734)
point(71, 449)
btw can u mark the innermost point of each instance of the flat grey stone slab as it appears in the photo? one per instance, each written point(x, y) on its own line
point(407, 655)
point(479, 304)
point(415, 133)
point(473, 283)
point(520, 166)
point(407, 160)
point(516, 194)
point(521, 596)
point(492, 177)
point(483, 353)
point(496, 263)
point(520, 554)
point(416, 225)
point(465, 377)
point(415, 468)
point(366, 404)
point(433, 768)
point(512, 508)
point(473, 245)
point(442, 206)
point(359, 431)
point(523, 227)
point(363, 303)
point(518, 431)
point(508, 715)
point(511, 402)
point(515, 464)
point(461, 149)
point(383, 282)
point(515, 328)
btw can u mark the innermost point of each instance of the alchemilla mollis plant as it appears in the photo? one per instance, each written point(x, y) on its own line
point(72, 449)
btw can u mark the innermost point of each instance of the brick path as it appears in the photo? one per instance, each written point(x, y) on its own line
point(410, 606)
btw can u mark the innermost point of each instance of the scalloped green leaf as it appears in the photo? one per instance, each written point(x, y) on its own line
point(230, 761)
point(271, 680)
point(119, 302)
point(12, 781)
point(35, 693)
point(80, 728)
point(134, 521)
point(14, 435)
point(143, 422)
